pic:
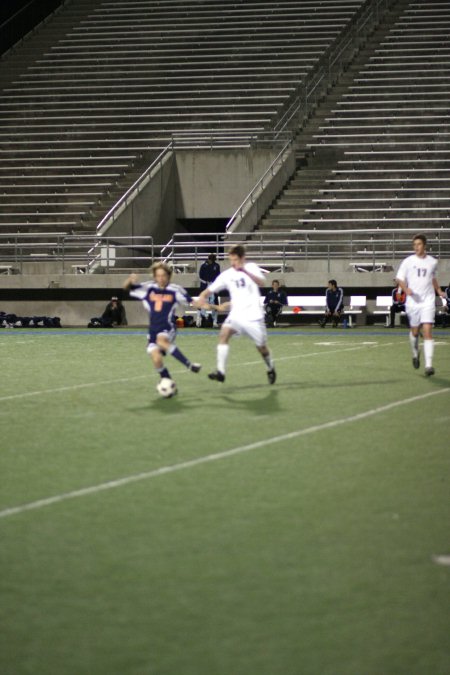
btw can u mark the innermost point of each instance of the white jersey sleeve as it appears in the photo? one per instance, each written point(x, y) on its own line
point(139, 291)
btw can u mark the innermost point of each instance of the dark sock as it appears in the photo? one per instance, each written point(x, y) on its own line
point(175, 352)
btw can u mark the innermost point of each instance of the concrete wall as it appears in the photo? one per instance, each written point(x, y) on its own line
point(193, 184)
point(213, 183)
point(153, 211)
point(313, 275)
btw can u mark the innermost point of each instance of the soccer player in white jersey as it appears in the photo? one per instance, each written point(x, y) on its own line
point(242, 281)
point(417, 277)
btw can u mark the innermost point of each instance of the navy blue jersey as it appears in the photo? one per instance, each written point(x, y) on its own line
point(335, 299)
point(161, 303)
point(208, 272)
point(275, 296)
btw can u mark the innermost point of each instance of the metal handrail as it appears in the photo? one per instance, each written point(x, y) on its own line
point(83, 251)
point(186, 140)
point(133, 191)
point(249, 200)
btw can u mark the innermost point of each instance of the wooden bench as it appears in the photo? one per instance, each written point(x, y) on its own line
point(383, 308)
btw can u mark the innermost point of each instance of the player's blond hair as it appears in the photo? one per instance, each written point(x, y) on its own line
point(161, 266)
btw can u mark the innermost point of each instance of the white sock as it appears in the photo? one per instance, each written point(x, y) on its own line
point(222, 355)
point(428, 351)
point(414, 342)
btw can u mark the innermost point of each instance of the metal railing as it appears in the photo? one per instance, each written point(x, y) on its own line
point(89, 254)
point(189, 141)
point(307, 93)
point(258, 188)
point(76, 254)
point(286, 247)
point(132, 192)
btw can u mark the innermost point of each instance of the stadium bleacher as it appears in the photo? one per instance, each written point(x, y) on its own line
point(380, 152)
point(95, 93)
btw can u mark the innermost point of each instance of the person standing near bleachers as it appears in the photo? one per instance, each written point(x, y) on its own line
point(334, 304)
point(417, 278)
point(208, 272)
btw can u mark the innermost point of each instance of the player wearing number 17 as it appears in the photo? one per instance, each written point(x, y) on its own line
point(417, 278)
point(242, 281)
point(160, 298)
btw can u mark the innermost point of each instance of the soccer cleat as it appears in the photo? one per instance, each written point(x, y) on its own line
point(217, 375)
point(195, 367)
point(429, 371)
point(271, 376)
point(416, 362)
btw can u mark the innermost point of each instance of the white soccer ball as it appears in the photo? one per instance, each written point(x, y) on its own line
point(166, 387)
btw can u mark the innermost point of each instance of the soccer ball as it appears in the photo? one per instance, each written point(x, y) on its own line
point(166, 387)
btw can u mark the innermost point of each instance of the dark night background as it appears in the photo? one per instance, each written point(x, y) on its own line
point(18, 17)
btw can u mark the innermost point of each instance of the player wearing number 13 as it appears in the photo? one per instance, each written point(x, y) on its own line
point(417, 278)
point(242, 281)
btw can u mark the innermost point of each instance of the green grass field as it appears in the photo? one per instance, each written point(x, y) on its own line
point(236, 529)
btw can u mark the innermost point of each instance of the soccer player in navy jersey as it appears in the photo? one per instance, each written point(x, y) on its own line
point(160, 297)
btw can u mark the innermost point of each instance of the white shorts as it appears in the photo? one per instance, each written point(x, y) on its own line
point(255, 330)
point(419, 314)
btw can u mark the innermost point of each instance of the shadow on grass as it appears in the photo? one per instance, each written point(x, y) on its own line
point(226, 396)
point(268, 405)
point(441, 382)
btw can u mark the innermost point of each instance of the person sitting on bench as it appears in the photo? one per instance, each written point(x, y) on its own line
point(334, 304)
point(273, 303)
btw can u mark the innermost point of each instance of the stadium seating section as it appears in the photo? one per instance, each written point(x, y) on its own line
point(95, 93)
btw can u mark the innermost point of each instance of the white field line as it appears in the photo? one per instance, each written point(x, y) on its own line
point(70, 387)
point(147, 475)
point(101, 383)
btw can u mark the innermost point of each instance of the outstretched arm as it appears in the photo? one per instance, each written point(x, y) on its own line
point(132, 280)
point(201, 302)
point(222, 307)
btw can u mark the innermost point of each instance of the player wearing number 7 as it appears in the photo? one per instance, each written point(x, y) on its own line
point(160, 298)
point(242, 281)
point(417, 277)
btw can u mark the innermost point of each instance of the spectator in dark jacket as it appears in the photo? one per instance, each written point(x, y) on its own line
point(114, 315)
point(274, 302)
point(208, 272)
point(334, 304)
